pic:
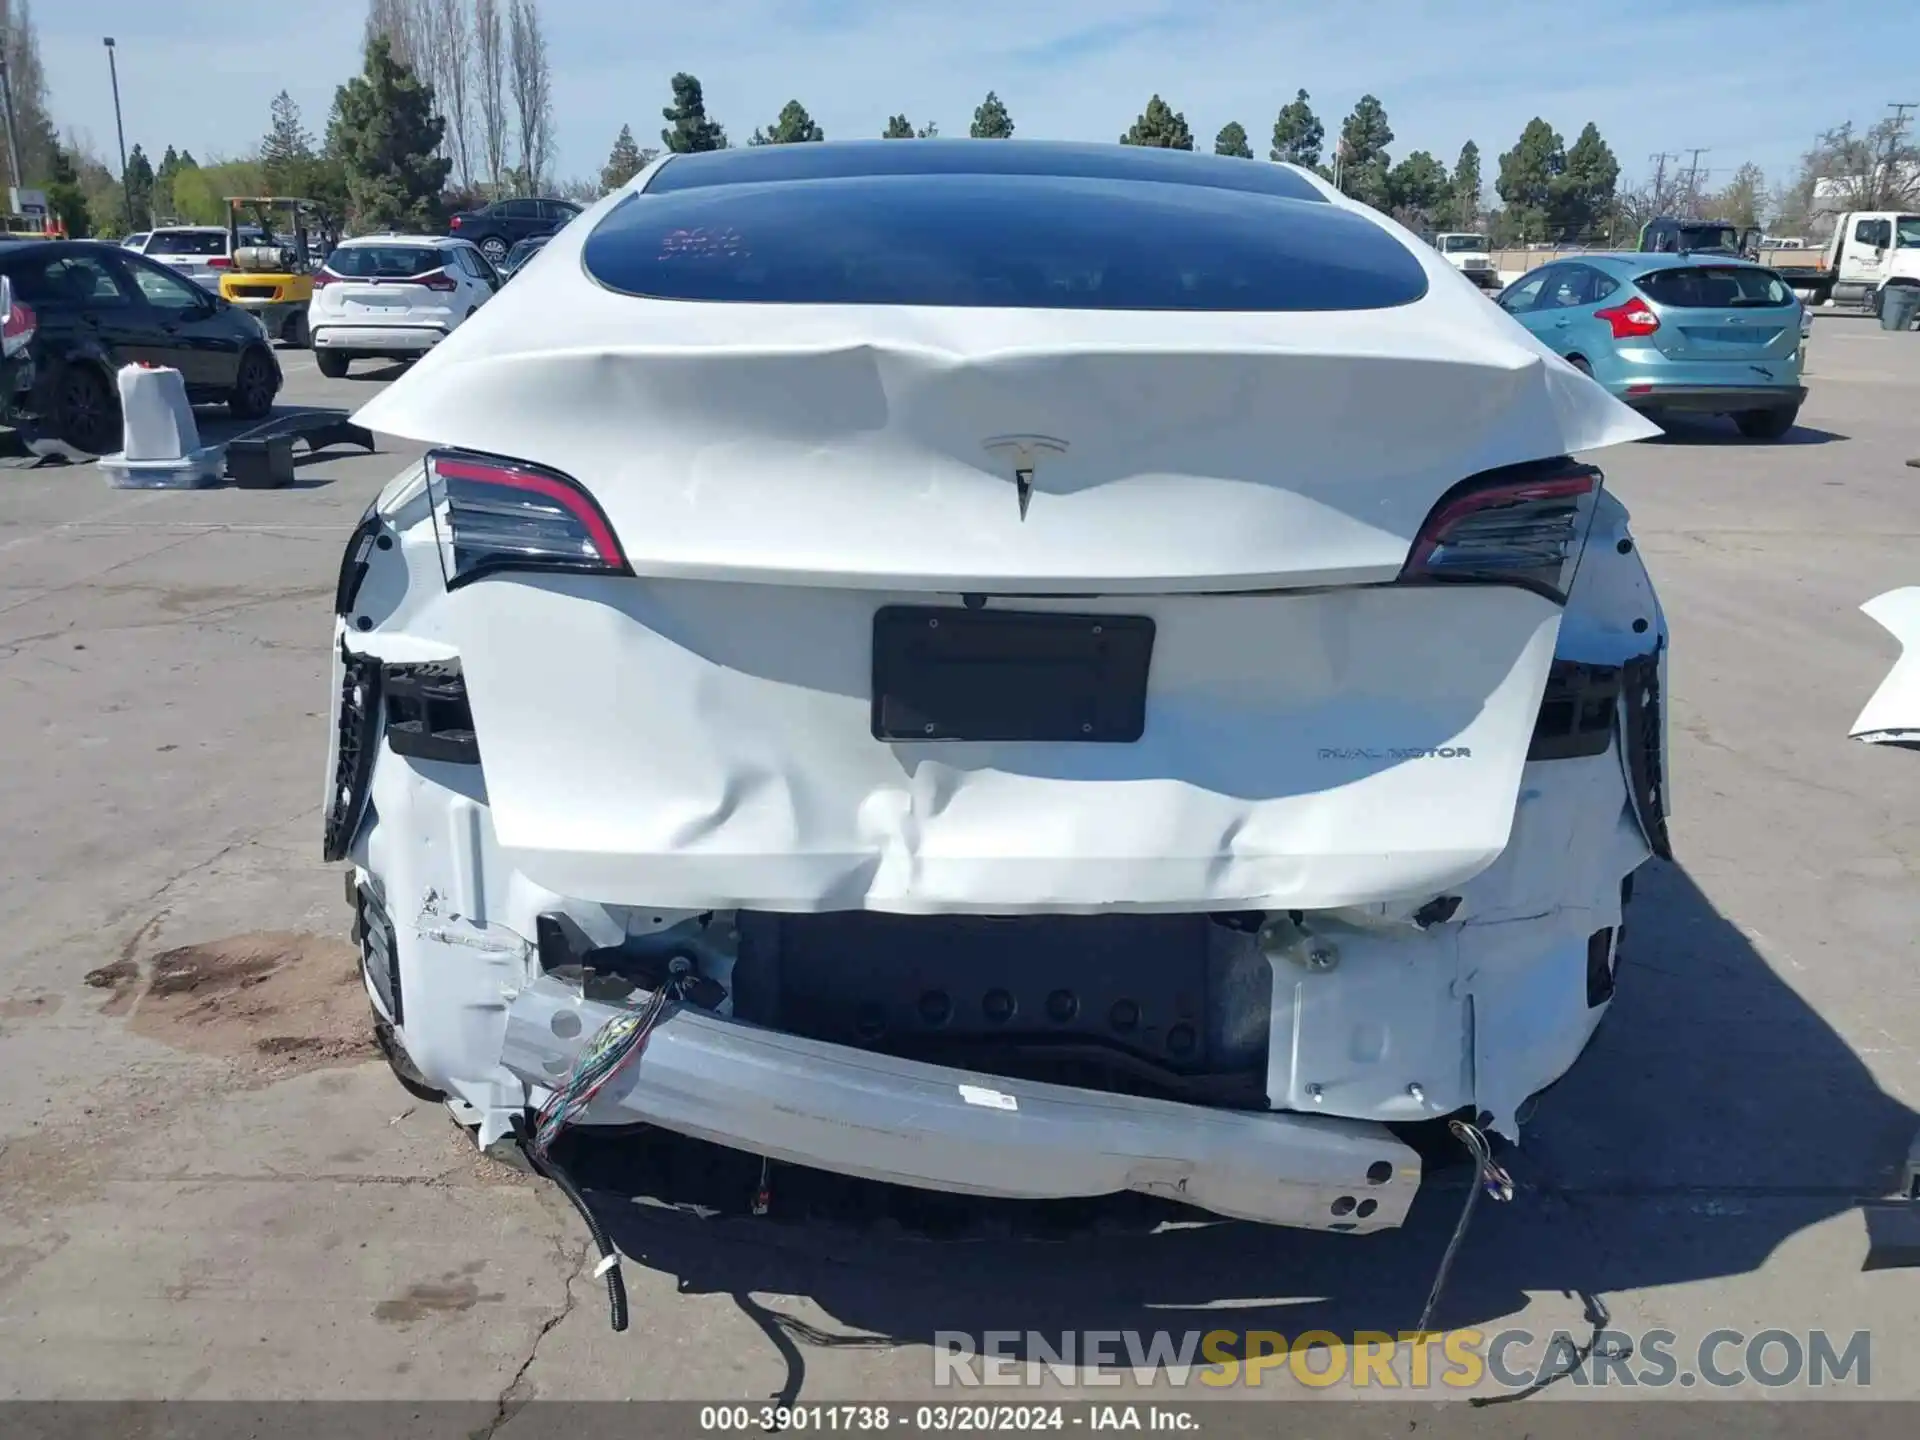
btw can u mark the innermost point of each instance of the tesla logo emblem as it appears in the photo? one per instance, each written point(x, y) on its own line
point(1023, 454)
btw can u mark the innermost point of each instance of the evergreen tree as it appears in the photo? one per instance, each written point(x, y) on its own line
point(1298, 133)
point(689, 131)
point(1232, 140)
point(65, 199)
point(287, 153)
point(1529, 174)
point(389, 139)
point(139, 182)
point(794, 127)
point(1364, 162)
point(162, 200)
point(1582, 194)
point(1160, 125)
point(1420, 190)
point(898, 128)
point(1466, 187)
point(624, 161)
point(991, 120)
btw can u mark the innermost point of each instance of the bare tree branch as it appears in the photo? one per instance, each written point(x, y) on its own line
point(398, 20)
point(532, 83)
point(490, 61)
point(456, 99)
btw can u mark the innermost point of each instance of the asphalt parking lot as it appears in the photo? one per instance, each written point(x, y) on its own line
point(210, 1187)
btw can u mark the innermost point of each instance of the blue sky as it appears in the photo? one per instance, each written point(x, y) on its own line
point(1746, 79)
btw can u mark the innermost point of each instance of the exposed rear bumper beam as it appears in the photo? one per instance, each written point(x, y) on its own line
point(903, 1122)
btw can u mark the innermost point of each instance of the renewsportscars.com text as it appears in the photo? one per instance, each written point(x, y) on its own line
point(1457, 1359)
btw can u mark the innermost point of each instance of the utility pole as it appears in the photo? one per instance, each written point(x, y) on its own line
point(1660, 179)
point(6, 98)
point(113, 69)
point(1693, 181)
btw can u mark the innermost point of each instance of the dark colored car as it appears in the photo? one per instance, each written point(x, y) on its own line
point(500, 226)
point(520, 254)
point(1666, 235)
point(98, 307)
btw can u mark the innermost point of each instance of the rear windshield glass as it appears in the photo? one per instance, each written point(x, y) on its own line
point(1029, 241)
point(188, 242)
point(1715, 287)
point(1455, 244)
point(384, 262)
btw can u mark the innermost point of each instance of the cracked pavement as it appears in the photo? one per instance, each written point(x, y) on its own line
point(181, 1223)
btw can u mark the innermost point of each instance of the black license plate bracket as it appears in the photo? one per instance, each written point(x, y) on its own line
point(951, 674)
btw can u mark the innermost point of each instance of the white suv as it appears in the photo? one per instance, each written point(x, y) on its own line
point(202, 253)
point(394, 297)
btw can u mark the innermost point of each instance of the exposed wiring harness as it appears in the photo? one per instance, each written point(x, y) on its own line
point(1488, 1176)
point(609, 1265)
point(617, 1044)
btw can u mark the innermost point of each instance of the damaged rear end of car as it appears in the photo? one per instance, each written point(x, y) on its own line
point(1104, 722)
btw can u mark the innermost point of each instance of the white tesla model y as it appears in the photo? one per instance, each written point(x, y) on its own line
point(1024, 669)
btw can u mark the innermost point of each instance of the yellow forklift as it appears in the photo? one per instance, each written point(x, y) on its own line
point(272, 261)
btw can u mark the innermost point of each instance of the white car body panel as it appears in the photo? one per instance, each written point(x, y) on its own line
point(1892, 715)
point(690, 745)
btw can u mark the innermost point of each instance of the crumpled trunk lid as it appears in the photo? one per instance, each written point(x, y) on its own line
point(703, 745)
point(1228, 451)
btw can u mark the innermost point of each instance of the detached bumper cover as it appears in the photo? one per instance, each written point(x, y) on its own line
point(1892, 715)
point(903, 1122)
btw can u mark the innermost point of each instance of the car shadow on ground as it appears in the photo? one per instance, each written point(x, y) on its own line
point(382, 371)
point(1714, 1117)
point(1718, 430)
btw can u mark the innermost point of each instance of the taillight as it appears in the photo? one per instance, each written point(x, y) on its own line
point(495, 514)
point(323, 278)
point(219, 262)
point(455, 223)
point(1523, 525)
point(438, 280)
point(1629, 321)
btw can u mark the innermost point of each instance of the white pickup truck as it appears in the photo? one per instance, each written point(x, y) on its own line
point(1870, 250)
point(1471, 256)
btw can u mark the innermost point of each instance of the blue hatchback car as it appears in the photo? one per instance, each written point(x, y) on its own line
point(1708, 334)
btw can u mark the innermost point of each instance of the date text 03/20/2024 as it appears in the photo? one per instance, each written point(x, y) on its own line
point(943, 1418)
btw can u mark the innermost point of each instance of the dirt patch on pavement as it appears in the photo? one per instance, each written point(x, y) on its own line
point(279, 1000)
point(454, 1293)
point(29, 1007)
point(121, 979)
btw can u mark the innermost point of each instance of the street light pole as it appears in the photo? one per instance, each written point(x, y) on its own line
point(113, 69)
